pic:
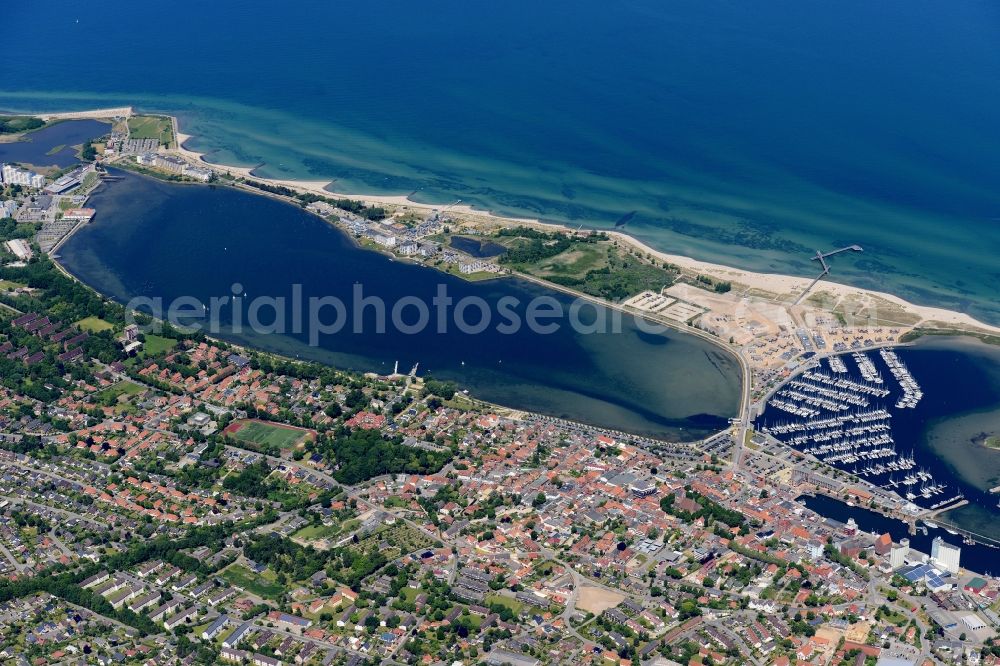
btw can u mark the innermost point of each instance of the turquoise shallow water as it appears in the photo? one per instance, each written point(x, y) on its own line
point(745, 134)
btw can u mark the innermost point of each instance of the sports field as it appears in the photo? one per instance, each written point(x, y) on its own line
point(266, 434)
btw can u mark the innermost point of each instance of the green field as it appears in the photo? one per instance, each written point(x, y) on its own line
point(317, 532)
point(151, 127)
point(198, 628)
point(545, 568)
point(394, 502)
point(155, 345)
point(94, 325)
point(18, 124)
point(111, 394)
point(262, 585)
point(575, 262)
point(591, 265)
point(509, 602)
point(7, 285)
point(89, 180)
point(267, 434)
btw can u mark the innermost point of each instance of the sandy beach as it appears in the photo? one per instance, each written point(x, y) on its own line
point(788, 285)
point(94, 114)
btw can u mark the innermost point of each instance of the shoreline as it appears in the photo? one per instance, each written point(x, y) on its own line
point(56, 118)
point(772, 286)
point(770, 289)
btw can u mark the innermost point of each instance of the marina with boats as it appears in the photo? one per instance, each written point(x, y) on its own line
point(840, 411)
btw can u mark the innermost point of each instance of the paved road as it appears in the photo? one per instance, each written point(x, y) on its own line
point(37, 470)
point(10, 558)
point(322, 644)
point(62, 512)
point(744, 417)
point(59, 544)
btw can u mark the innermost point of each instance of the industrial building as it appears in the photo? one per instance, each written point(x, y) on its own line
point(945, 555)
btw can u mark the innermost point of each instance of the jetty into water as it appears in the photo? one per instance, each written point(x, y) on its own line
point(821, 257)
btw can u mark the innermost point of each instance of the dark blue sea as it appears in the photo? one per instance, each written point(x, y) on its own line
point(744, 133)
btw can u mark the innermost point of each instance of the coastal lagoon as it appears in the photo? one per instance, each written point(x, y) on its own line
point(54, 145)
point(477, 247)
point(749, 135)
point(156, 239)
point(962, 380)
point(745, 135)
